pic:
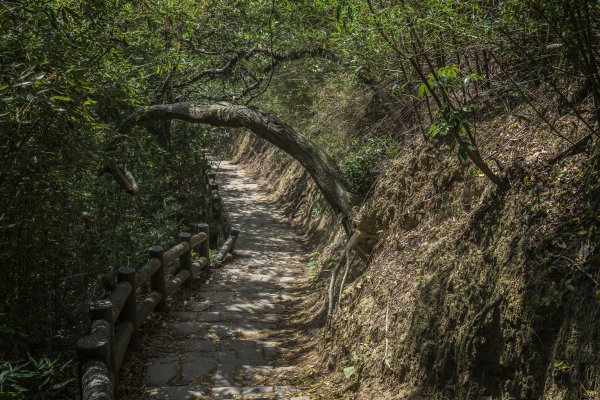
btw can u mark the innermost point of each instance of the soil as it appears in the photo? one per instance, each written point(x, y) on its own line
point(471, 292)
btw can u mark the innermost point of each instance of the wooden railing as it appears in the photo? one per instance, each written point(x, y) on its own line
point(115, 321)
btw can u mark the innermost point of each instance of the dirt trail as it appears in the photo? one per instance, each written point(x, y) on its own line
point(229, 337)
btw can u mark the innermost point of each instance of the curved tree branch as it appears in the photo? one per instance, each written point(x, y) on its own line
point(215, 72)
point(321, 167)
point(277, 58)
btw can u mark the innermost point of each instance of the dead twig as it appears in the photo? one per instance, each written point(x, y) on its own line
point(480, 317)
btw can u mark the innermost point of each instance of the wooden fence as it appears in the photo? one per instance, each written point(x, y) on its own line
point(115, 321)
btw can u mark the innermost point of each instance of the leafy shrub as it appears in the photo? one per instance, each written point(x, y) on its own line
point(362, 166)
point(319, 208)
point(278, 158)
point(35, 379)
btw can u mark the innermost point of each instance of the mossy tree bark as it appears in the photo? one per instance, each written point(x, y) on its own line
point(321, 167)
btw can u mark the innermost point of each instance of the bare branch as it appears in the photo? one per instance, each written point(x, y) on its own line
point(277, 58)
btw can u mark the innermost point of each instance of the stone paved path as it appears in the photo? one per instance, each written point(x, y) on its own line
point(231, 332)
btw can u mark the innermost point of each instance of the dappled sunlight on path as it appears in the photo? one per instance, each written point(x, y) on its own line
point(231, 335)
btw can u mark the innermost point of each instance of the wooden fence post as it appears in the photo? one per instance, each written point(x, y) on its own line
point(185, 260)
point(204, 248)
point(157, 282)
point(103, 309)
point(95, 382)
point(98, 351)
point(216, 217)
point(129, 312)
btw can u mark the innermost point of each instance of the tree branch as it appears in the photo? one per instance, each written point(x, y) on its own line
point(321, 167)
point(277, 58)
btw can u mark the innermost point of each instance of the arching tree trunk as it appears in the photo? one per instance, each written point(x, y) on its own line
point(317, 163)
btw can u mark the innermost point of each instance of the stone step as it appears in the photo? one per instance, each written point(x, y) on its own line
point(223, 330)
point(249, 392)
point(238, 362)
point(196, 392)
point(225, 316)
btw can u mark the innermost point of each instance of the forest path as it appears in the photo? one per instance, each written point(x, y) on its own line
point(229, 338)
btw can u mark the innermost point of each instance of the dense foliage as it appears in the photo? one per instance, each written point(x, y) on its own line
point(71, 71)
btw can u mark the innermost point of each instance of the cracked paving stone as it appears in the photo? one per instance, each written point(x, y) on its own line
point(179, 392)
point(241, 391)
point(186, 328)
point(183, 315)
point(251, 357)
point(161, 370)
point(218, 297)
point(250, 372)
point(232, 316)
point(196, 366)
point(239, 344)
point(200, 345)
point(225, 375)
point(208, 316)
point(198, 305)
point(255, 306)
point(223, 330)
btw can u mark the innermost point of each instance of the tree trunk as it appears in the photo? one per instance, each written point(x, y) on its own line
point(317, 163)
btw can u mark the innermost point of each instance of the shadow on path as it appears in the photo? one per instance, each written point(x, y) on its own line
point(227, 336)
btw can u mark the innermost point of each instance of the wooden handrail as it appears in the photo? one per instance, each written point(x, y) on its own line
point(171, 255)
point(148, 270)
point(158, 278)
point(123, 337)
point(227, 246)
point(119, 296)
point(95, 380)
point(116, 320)
point(148, 305)
point(199, 238)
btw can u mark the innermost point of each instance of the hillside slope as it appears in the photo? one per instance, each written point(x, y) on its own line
point(471, 291)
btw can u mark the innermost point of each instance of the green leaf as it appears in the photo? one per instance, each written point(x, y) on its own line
point(61, 385)
point(462, 156)
point(450, 71)
point(61, 98)
point(433, 130)
point(522, 117)
point(10, 331)
point(349, 371)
